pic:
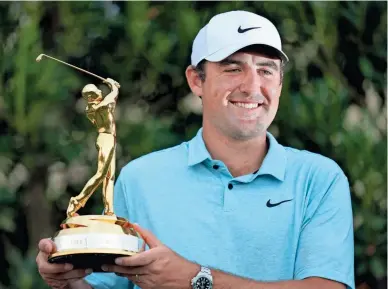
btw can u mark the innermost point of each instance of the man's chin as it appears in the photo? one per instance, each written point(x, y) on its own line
point(247, 134)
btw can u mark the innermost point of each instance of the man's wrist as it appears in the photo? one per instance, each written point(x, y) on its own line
point(203, 277)
point(193, 269)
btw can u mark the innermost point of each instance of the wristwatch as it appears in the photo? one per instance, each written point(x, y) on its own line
point(203, 280)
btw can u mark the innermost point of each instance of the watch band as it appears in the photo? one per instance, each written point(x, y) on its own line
point(205, 270)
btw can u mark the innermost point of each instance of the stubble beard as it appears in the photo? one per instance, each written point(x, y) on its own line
point(245, 134)
point(240, 132)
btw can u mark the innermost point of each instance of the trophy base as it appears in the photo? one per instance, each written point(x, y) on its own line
point(88, 242)
point(88, 260)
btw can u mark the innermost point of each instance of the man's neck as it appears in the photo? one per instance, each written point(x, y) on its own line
point(240, 157)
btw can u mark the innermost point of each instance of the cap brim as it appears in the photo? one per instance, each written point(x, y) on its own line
point(225, 52)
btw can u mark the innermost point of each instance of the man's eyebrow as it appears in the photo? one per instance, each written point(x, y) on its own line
point(229, 61)
point(268, 63)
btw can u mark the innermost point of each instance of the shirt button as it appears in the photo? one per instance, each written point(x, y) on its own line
point(230, 186)
point(216, 167)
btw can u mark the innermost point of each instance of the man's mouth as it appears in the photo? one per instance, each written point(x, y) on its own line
point(248, 105)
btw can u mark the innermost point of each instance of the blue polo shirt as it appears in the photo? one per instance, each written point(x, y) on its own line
point(291, 219)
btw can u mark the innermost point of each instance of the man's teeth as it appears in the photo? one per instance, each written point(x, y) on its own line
point(246, 105)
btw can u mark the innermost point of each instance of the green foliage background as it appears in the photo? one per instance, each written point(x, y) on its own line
point(333, 103)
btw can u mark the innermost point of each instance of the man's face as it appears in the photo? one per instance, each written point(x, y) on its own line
point(241, 94)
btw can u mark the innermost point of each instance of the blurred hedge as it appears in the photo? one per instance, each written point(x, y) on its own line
point(333, 103)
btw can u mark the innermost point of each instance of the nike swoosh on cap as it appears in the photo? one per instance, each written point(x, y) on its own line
point(241, 30)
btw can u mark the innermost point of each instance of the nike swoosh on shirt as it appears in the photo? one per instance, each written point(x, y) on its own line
point(270, 205)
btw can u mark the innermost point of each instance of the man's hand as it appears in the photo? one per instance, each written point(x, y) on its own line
point(159, 267)
point(57, 276)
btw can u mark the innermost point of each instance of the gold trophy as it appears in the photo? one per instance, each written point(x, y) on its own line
point(93, 240)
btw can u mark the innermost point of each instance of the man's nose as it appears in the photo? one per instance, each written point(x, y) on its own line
point(251, 82)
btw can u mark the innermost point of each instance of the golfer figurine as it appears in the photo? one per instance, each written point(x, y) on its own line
point(100, 111)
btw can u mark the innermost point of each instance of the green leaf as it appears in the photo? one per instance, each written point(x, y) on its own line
point(366, 67)
point(361, 268)
point(378, 223)
point(378, 267)
point(7, 217)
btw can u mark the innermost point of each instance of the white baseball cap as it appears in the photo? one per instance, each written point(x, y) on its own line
point(231, 31)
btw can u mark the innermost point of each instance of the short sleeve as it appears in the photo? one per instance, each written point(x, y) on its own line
point(326, 242)
point(111, 280)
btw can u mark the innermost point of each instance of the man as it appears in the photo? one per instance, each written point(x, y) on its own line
point(101, 113)
point(231, 208)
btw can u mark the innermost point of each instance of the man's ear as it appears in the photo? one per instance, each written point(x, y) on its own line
point(194, 81)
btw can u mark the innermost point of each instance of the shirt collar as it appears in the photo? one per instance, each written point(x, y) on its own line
point(274, 162)
point(197, 150)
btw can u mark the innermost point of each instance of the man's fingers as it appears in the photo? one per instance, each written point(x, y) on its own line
point(47, 268)
point(139, 270)
point(148, 237)
point(57, 283)
point(47, 246)
point(73, 274)
point(69, 281)
point(140, 259)
point(124, 270)
point(115, 269)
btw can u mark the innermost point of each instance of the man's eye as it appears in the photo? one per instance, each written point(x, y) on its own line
point(265, 72)
point(233, 70)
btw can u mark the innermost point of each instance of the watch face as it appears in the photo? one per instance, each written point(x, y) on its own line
point(203, 283)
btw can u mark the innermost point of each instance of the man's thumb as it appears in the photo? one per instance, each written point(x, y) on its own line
point(47, 246)
point(148, 237)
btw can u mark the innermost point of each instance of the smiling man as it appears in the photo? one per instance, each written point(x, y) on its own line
point(231, 208)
